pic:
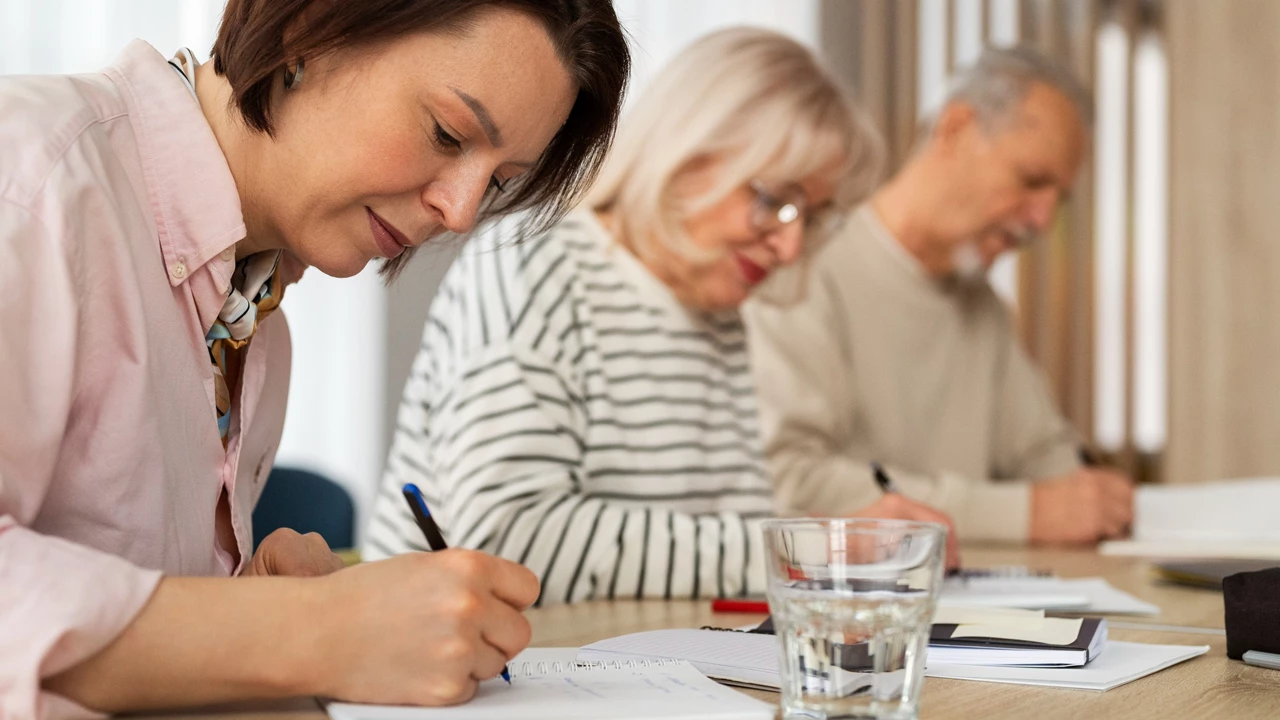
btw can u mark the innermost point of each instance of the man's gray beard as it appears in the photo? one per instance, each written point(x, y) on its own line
point(970, 268)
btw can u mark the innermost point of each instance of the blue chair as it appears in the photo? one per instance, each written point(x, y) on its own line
point(306, 502)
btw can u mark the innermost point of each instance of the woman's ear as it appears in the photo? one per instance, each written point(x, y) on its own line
point(295, 32)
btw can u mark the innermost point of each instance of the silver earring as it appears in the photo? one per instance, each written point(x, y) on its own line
point(294, 76)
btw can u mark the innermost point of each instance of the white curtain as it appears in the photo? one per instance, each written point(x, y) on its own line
point(661, 28)
point(336, 403)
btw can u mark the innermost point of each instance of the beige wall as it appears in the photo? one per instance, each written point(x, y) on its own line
point(1224, 239)
point(408, 300)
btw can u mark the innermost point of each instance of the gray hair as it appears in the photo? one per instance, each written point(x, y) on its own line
point(999, 81)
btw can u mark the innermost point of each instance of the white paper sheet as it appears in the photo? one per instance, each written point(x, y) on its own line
point(1119, 663)
point(1086, 595)
point(734, 656)
point(542, 686)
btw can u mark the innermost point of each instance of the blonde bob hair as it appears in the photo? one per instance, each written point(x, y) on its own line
point(753, 100)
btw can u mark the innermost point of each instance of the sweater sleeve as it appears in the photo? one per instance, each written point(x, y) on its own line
point(501, 461)
point(1032, 440)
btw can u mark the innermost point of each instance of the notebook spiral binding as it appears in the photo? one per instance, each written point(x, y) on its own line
point(544, 668)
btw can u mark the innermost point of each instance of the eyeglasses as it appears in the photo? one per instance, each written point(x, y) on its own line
point(772, 210)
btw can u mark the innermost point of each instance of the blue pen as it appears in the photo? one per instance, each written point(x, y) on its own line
point(431, 531)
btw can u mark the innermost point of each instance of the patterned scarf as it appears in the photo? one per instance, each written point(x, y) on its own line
point(255, 291)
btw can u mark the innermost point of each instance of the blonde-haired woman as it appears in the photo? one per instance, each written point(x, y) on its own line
point(582, 402)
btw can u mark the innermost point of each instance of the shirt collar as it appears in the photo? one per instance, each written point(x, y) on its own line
point(192, 193)
point(890, 244)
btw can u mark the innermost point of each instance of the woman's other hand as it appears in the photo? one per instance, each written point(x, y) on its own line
point(286, 552)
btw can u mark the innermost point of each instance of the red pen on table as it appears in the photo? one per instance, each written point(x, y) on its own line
point(740, 605)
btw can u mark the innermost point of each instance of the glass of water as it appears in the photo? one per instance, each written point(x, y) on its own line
point(852, 601)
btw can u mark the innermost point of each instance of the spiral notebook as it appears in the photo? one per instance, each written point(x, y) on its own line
point(551, 684)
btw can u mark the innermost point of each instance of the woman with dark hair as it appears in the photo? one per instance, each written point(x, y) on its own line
point(151, 218)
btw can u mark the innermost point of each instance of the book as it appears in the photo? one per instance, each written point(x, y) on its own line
point(953, 644)
point(997, 636)
point(552, 684)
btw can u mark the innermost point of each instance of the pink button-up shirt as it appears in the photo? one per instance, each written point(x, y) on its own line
point(118, 219)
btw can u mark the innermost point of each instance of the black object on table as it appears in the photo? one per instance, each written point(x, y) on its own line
point(1252, 604)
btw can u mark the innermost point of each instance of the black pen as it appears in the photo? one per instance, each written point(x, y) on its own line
point(431, 531)
point(882, 478)
point(1087, 457)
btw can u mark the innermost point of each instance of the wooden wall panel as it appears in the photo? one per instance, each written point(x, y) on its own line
point(1056, 275)
point(1224, 371)
point(872, 45)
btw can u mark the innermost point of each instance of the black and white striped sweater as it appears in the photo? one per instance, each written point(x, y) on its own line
point(566, 412)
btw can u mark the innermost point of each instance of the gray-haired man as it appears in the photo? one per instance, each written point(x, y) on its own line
point(900, 352)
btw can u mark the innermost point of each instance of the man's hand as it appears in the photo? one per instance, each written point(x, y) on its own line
point(1082, 508)
point(892, 506)
point(285, 552)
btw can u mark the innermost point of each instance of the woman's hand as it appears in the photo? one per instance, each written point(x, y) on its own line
point(285, 552)
point(422, 628)
point(892, 506)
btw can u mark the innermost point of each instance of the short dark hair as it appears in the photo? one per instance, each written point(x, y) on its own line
point(250, 51)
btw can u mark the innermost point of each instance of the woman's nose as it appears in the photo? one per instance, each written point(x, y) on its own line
point(456, 201)
point(788, 241)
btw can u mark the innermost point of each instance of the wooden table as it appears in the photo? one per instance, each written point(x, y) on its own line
point(1210, 686)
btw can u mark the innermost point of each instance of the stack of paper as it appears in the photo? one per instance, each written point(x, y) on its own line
point(1234, 519)
point(1083, 595)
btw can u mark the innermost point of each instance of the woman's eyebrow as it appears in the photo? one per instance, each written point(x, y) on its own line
point(482, 116)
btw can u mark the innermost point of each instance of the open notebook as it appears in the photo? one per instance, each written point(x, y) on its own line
point(550, 684)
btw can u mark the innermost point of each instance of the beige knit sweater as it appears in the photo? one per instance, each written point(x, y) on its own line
point(880, 362)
